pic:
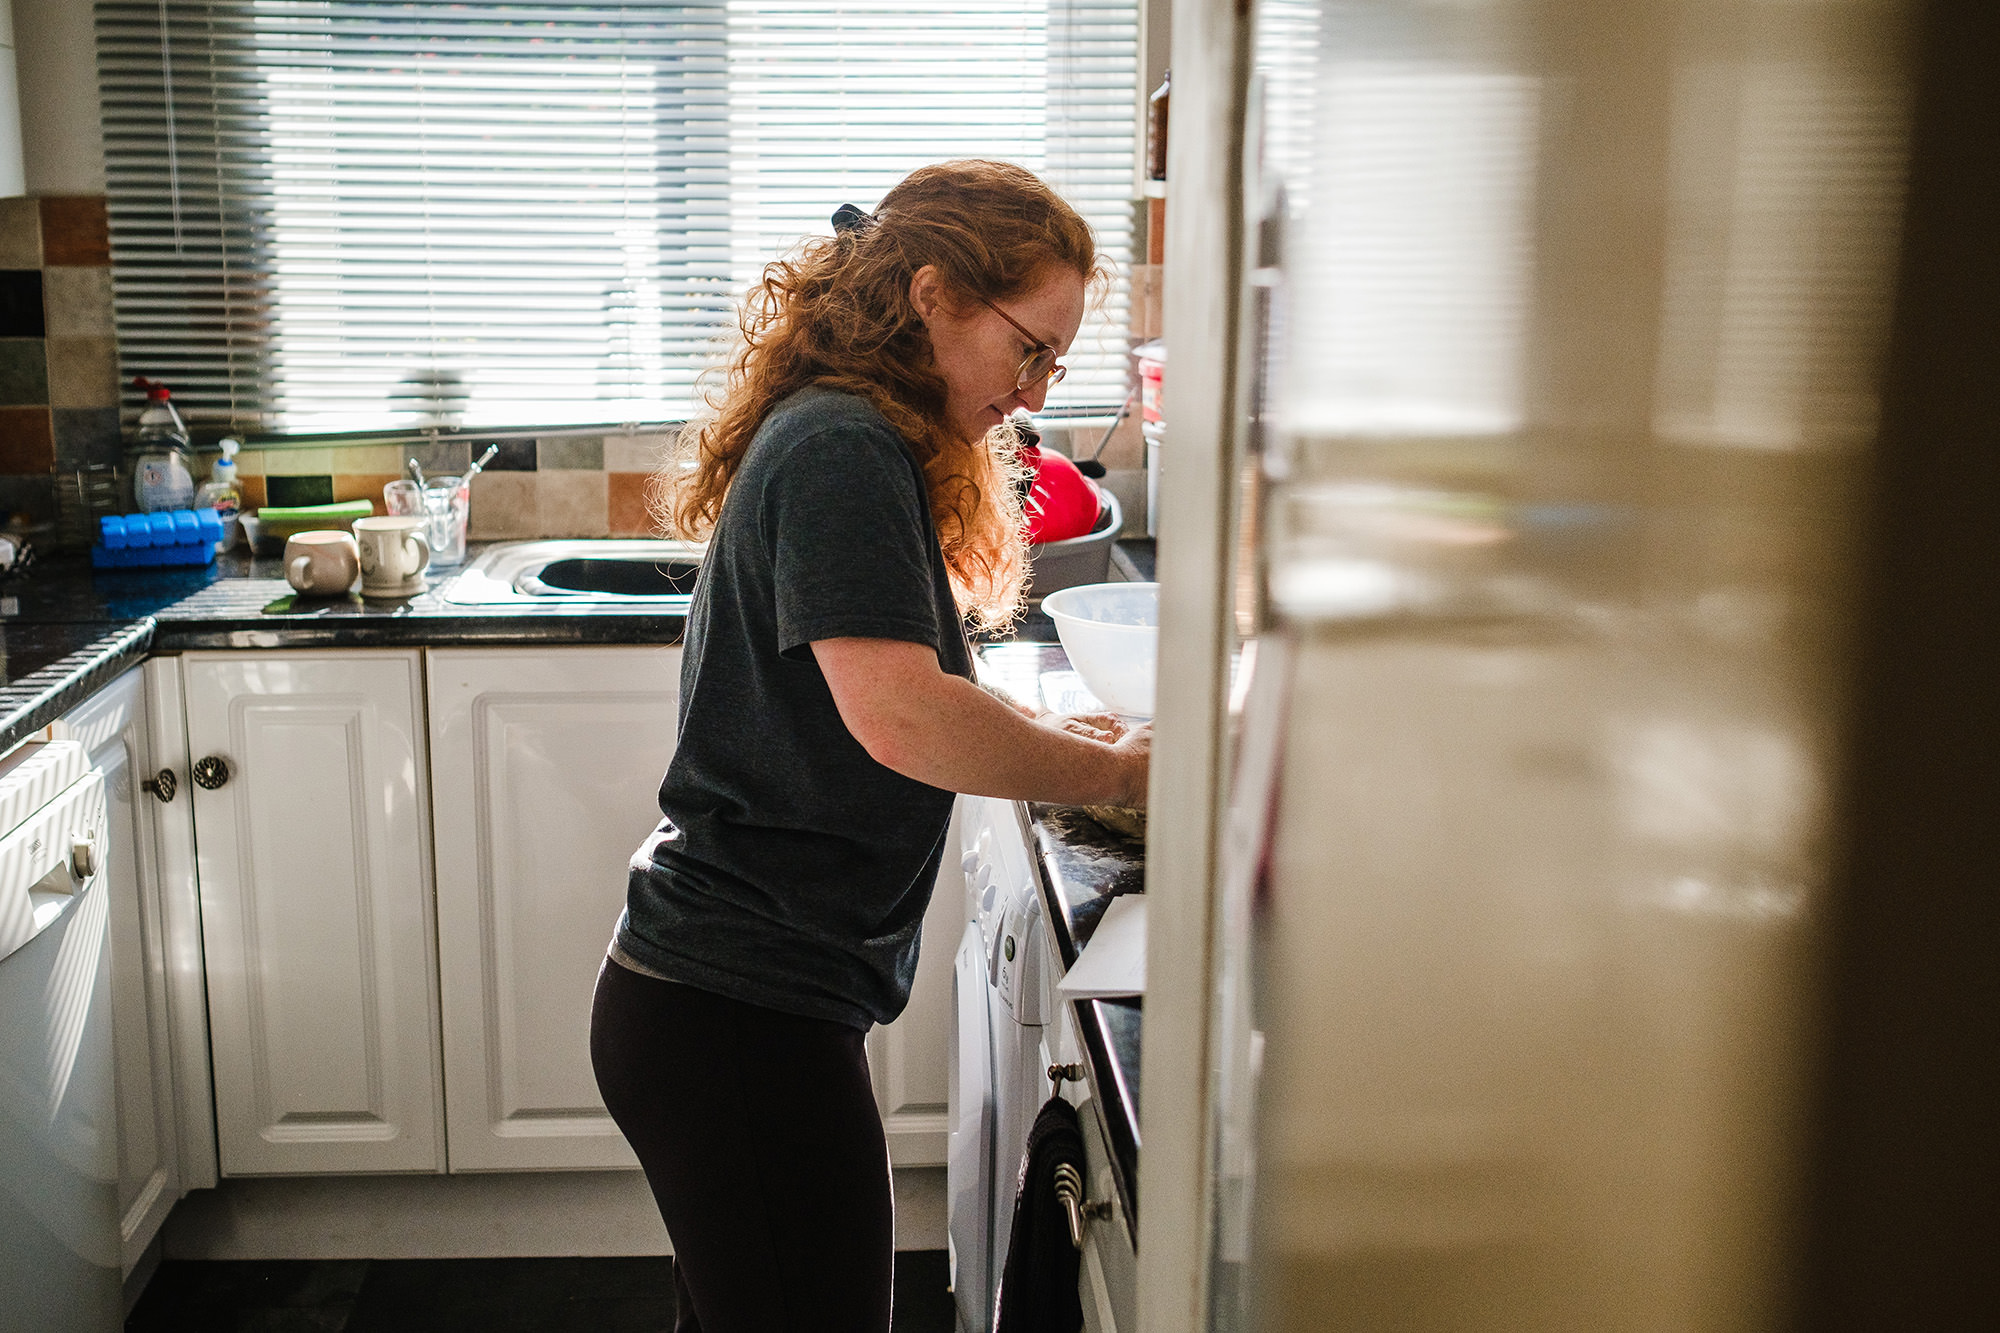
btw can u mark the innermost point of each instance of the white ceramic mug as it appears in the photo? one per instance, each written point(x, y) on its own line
point(321, 564)
point(393, 554)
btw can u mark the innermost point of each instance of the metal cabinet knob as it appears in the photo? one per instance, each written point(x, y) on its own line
point(163, 785)
point(210, 772)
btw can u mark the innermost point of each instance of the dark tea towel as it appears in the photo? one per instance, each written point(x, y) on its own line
point(1038, 1288)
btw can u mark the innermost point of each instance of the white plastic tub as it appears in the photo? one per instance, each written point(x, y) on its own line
point(1111, 632)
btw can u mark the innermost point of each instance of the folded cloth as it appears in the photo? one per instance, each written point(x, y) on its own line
point(1038, 1288)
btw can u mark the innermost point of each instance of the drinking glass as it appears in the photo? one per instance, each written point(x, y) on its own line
point(403, 497)
point(447, 505)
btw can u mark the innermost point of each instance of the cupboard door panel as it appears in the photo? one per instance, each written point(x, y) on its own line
point(314, 863)
point(546, 766)
point(113, 727)
point(910, 1059)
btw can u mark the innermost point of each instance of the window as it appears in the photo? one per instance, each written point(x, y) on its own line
point(373, 215)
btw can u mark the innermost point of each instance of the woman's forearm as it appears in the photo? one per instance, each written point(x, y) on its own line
point(944, 730)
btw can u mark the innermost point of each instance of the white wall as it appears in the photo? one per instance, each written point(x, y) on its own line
point(60, 131)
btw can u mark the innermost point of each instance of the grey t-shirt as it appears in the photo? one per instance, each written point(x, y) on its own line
point(792, 870)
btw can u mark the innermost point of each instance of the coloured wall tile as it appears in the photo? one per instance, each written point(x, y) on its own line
point(21, 304)
point(253, 492)
point(77, 302)
point(625, 504)
point(20, 233)
point(76, 229)
point(514, 456)
point(636, 453)
point(570, 453)
point(87, 436)
point(572, 504)
point(24, 373)
point(286, 492)
point(363, 486)
point(299, 462)
point(83, 372)
point(250, 463)
point(27, 441)
point(364, 458)
point(442, 458)
point(504, 504)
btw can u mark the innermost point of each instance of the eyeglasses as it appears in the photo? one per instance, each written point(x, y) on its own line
point(1041, 364)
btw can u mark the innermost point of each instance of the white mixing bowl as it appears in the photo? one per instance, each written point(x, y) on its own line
point(1111, 632)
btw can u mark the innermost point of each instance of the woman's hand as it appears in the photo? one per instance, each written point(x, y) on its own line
point(1106, 727)
point(1135, 748)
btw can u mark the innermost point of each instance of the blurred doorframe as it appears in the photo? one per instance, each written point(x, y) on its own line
point(1903, 1196)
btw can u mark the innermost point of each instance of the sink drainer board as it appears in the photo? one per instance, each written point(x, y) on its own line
point(617, 571)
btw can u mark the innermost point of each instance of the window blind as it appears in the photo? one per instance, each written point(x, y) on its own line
point(366, 215)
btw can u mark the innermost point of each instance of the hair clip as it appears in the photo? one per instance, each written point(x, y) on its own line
point(847, 218)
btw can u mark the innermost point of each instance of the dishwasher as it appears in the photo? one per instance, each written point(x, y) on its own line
point(59, 1237)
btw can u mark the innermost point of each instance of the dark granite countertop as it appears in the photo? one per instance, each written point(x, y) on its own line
point(66, 629)
point(50, 669)
point(1082, 866)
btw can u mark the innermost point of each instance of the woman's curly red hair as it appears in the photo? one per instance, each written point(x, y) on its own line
point(837, 313)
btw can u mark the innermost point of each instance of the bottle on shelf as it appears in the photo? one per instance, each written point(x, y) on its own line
point(222, 493)
point(160, 476)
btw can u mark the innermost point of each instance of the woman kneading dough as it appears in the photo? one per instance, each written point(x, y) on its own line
point(855, 481)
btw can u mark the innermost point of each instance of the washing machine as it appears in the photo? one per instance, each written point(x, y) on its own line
point(1003, 992)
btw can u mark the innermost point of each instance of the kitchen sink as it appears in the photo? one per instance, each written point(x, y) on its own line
point(601, 571)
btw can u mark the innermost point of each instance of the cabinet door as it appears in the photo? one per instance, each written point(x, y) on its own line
point(314, 861)
point(112, 727)
point(910, 1059)
point(173, 887)
point(545, 774)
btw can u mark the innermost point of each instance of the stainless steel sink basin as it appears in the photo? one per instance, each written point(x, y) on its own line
point(639, 572)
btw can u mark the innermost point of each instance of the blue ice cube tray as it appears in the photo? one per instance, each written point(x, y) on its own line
point(170, 537)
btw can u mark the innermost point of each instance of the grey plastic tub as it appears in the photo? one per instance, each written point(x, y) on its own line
point(1085, 559)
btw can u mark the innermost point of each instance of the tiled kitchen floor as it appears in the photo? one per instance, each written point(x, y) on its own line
point(449, 1295)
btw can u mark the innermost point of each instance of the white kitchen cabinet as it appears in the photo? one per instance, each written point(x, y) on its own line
point(113, 728)
point(174, 885)
point(315, 869)
point(909, 1059)
point(545, 773)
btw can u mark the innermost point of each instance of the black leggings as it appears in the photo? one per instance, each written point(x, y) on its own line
point(762, 1143)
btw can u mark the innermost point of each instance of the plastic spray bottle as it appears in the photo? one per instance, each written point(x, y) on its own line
point(160, 477)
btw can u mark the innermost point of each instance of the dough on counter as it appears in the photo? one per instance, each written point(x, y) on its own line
point(1119, 819)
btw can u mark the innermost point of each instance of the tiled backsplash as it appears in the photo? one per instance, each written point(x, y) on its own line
point(558, 486)
point(58, 358)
